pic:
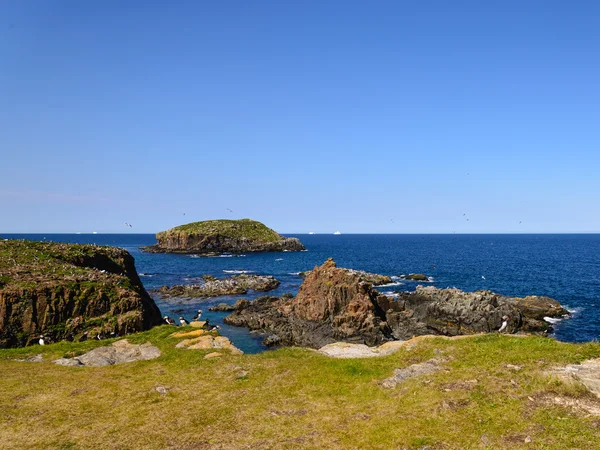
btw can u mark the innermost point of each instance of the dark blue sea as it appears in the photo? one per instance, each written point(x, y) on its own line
point(565, 267)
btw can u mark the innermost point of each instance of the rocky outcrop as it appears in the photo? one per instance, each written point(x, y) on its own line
point(222, 307)
point(214, 287)
point(335, 304)
point(118, 353)
point(223, 236)
point(415, 277)
point(374, 278)
point(67, 291)
point(452, 312)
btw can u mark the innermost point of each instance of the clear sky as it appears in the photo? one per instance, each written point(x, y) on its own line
point(381, 117)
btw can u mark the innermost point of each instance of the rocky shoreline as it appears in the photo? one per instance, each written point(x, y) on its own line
point(215, 287)
point(335, 304)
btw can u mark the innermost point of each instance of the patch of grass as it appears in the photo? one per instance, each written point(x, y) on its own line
point(296, 398)
point(235, 229)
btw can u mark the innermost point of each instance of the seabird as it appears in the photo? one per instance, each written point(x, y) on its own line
point(183, 322)
point(198, 315)
point(504, 324)
point(41, 341)
point(169, 321)
point(482, 277)
point(229, 210)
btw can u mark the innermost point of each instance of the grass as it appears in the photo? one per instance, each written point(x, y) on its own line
point(237, 229)
point(296, 398)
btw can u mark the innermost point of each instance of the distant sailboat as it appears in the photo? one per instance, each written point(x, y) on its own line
point(337, 232)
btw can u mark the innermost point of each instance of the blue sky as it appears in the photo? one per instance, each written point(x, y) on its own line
point(382, 117)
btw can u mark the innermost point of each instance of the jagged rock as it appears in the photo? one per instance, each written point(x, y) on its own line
point(62, 291)
point(220, 236)
point(415, 277)
point(374, 278)
point(234, 285)
point(430, 310)
point(271, 340)
point(222, 307)
point(119, 352)
point(332, 304)
point(335, 304)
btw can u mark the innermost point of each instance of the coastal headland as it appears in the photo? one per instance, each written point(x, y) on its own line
point(69, 291)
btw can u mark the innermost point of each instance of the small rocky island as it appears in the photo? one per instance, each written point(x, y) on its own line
point(69, 291)
point(222, 236)
point(335, 304)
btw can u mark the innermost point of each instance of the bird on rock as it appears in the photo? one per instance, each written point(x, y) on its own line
point(183, 322)
point(198, 315)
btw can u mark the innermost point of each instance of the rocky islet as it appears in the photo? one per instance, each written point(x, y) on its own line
point(222, 236)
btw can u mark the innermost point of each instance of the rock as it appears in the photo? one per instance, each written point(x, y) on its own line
point(235, 285)
point(188, 334)
point(429, 310)
point(62, 291)
point(335, 304)
point(222, 307)
point(414, 370)
point(118, 353)
point(220, 236)
point(271, 340)
point(242, 374)
point(161, 390)
point(213, 355)
point(374, 278)
point(36, 358)
point(332, 305)
point(586, 373)
point(415, 277)
point(209, 341)
point(347, 350)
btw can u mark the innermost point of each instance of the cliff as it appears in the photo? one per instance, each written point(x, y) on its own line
point(65, 290)
point(223, 236)
point(335, 304)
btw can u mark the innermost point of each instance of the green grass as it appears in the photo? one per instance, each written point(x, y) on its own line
point(243, 228)
point(296, 398)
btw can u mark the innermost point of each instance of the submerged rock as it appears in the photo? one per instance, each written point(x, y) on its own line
point(69, 291)
point(223, 236)
point(335, 304)
point(214, 287)
point(415, 277)
point(222, 307)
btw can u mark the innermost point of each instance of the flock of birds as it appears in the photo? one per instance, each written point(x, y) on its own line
point(131, 226)
point(183, 322)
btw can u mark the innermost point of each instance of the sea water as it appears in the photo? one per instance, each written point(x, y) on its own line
point(565, 267)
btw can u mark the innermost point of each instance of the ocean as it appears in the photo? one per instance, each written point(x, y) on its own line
point(565, 267)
